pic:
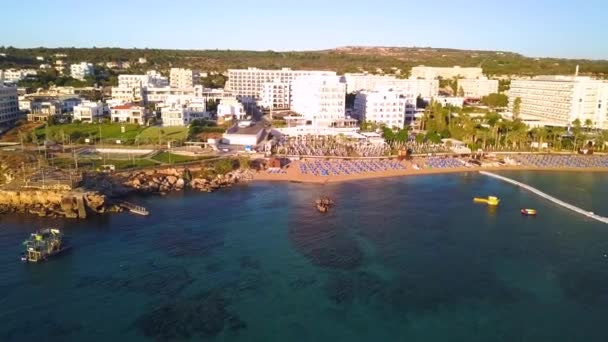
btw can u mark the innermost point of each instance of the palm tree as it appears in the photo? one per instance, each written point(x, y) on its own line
point(588, 124)
point(576, 132)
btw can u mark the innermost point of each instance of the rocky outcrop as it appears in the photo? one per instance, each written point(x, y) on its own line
point(170, 180)
point(52, 203)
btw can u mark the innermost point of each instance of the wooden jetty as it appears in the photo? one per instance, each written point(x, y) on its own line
point(134, 208)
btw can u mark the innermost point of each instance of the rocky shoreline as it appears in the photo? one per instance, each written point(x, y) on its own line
point(102, 193)
point(54, 203)
point(177, 179)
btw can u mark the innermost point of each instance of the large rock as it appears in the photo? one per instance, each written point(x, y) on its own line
point(171, 179)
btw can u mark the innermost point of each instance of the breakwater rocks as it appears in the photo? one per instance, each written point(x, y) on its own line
point(54, 203)
point(168, 180)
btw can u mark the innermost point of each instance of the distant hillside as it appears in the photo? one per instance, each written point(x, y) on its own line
point(343, 59)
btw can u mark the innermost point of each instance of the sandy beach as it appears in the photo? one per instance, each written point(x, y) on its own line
point(294, 175)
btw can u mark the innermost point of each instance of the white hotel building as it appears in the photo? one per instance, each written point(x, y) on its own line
point(430, 73)
point(9, 104)
point(276, 95)
point(250, 82)
point(319, 99)
point(384, 106)
point(478, 87)
point(559, 100)
point(410, 88)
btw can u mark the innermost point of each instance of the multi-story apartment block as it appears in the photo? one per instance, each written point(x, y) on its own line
point(408, 87)
point(384, 106)
point(88, 111)
point(182, 113)
point(319, 98)
point(163, 93)
point(276, 95)
point(477, 87)
point(9, 104)
point(128, 95)
point(81, 70)
point(181, 78)
point(559, 100)
point(425, 72)
point(15, 75)
point(152, 79)
point(250, 82)
point(129, 113)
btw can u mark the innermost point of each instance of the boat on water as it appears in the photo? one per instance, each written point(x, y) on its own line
point(528, 212)
point(43, 244)
point(323, 204)
point(490, 200)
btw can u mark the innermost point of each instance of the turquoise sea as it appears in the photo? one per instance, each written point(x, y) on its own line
point(401, 259)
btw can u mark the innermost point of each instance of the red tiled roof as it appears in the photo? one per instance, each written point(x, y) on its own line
point(126, 106)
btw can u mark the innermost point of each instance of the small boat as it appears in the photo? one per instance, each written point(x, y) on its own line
point(43, 244)
point(528, 212)
point(323, 204)
point(491, 200)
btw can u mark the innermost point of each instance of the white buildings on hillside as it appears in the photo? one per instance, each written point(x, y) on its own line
point(408, 87)
point(88, 111)
point(9, 104)
point(454, 101)
point(250, 82)
point(81, 70)
point(181, 113)
point(229, 109)
point(364, 81)
point(135, 88)
point(559, 100)
point(426, 72)
point(477, 87)
point(129, 113)
point(16, 75)
point(151, 79)
point(384, 106)
point(181, 78)
point(162, 94)
point(319, 99)
point(276, 95)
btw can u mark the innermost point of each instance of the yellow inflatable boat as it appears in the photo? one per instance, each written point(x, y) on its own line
point(491, 200)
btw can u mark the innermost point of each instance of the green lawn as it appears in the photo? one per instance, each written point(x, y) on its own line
point(170, 158)
point(92, 164)
point(81, 131)
point(166, 133)
point(110, 132)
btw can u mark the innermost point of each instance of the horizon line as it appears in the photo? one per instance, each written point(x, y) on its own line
point(306, 50)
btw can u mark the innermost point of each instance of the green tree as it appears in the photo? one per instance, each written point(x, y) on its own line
point(516, 107)
point(224, 166)
point(244, 162)
point(495, 100)
point(588, 124)
point(460, 92)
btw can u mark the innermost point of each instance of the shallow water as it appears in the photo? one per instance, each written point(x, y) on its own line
point(397, 259)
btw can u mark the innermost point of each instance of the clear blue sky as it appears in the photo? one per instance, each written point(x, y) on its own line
point(560, 28)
